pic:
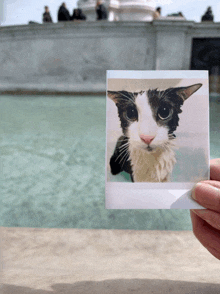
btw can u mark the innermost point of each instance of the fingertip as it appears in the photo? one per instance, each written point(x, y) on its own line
point(215, 161)
point(197, 223)
point(207, 195)
point(215, 169)
point(196, 190)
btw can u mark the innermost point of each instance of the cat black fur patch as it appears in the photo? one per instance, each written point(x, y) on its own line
point(118, 164)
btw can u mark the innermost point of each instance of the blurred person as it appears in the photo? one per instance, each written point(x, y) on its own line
point(157, 13)
point(46, 15)
point(179, 14)
point(63, 13)
point(32, 22)
point(208, 16)
point(101, 11)
point(78, 14)
point(206, 222)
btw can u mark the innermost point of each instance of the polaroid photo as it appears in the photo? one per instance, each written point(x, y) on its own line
point(157, 138)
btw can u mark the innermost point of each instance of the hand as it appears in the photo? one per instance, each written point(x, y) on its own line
point(206, 222)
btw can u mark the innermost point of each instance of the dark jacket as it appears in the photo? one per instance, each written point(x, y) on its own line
point(208, 16)
point(78, 14)
point(47, 17)
point(63, 14)
point(101, 12)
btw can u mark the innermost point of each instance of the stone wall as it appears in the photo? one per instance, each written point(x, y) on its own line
point(73, 57)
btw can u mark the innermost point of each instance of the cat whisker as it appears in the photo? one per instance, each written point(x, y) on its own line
point(126, 159)
point(121, 153)
point(122, 140)
point(125, 155)
point(124, 145)
point(126, 148)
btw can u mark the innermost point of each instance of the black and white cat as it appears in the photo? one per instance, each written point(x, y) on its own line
point(148, 120)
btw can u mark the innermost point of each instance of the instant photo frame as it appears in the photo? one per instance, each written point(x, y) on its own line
point(192, 140)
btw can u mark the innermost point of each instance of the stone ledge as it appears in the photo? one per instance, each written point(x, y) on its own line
point(149, 261)
point(74, 57)
point(96, 29)
point(51, 93)
point(31, 89)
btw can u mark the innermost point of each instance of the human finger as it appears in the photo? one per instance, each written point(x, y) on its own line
point(215, 169)
point(210, 216)
point(208, 236)
point(207, 194)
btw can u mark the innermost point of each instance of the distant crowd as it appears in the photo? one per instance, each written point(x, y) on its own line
point(157, 14)
point(102, 13)
point(64, 14)
point(208, 15)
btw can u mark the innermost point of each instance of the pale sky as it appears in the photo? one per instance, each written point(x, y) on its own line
point(17, 12)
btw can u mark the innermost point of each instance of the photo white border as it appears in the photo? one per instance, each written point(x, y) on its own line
point(120, 195)
point(157, 74)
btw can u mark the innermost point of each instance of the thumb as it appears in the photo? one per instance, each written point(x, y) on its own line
point(207, 194)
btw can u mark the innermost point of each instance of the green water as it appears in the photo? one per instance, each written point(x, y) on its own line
point(52, 163)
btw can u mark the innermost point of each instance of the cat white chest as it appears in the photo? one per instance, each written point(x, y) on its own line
point(152, 166)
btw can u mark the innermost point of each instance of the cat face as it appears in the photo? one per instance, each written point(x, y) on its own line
point(149, 118)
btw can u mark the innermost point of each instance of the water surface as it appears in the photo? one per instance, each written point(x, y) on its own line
point(52, 163)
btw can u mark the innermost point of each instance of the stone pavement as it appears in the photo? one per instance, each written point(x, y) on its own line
point(44, 261)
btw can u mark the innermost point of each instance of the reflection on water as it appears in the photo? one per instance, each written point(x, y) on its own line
point(52, 162)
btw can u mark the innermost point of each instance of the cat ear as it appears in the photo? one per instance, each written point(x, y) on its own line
point(186, 92)
point(113, 95)
point(116, 96)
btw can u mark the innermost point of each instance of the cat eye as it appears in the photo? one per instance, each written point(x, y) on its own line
point(164, 112)
point(131, 113)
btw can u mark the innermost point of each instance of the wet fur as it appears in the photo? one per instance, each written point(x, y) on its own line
point(153, 162)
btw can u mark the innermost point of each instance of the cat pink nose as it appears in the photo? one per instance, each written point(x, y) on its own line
point(147, 139)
